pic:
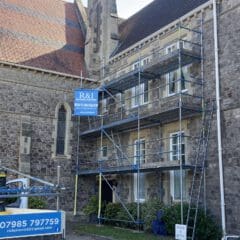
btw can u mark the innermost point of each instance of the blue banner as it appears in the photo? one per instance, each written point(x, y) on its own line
point(30, 224)
point(86, 102)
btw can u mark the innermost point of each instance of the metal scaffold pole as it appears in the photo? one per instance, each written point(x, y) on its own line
point(100, 167)
point(58, 183)
point(138, 150)
point(99, 197)
point(76, 176)
point(203, 113)
point(180, 120)
point(77, 163)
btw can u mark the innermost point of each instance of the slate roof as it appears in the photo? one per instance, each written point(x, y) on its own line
point(150, 19)
point(41, 33)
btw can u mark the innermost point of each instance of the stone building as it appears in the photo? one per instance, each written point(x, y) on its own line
point(157, 84)
point(41, 61)
point(156, 76)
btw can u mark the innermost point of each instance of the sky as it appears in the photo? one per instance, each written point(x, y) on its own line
point(126, 8)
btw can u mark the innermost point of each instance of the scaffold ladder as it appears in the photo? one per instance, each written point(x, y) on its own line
point(198, 174)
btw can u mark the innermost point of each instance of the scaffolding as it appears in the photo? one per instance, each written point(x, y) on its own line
point(179, 98)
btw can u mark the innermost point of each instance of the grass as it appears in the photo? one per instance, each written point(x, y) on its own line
point(116, 233)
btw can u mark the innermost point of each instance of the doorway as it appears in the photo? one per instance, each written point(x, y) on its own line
point(107, 195)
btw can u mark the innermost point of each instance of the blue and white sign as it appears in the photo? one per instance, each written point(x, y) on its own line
point(31, 224)
point(86, 102)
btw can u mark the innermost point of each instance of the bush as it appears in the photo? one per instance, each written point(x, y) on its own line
point(149, 212)
point(111, 212)
point(206, 228)
point(92, 206)
point(36, 203)
point(125, 218)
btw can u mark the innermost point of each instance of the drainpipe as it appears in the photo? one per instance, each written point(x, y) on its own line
point(221, 178)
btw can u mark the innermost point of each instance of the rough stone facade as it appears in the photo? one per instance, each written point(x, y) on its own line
point(29, 99)
point(157, 182)
point(229, 82)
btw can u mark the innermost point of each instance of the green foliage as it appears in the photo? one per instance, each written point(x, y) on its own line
point(149, 212)
point(124, 216)
point(206, 228)
point(92, 206)
point(111, 211)
point(36, 203)
point(10, 200)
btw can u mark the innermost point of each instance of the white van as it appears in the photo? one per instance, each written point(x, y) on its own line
point(22, 183)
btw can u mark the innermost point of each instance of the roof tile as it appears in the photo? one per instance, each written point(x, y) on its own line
point(150, 19)
point(44, 34)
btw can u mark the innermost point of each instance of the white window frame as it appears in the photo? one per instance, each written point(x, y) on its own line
point(178, 143)
point(141, 143)
point(176, 45)
point(143, 62)
point(104, 109)
point(178, 81)
point(140, 95)
point(173, 172)
point(142, 175)
point(172, 47)
point(135, 65)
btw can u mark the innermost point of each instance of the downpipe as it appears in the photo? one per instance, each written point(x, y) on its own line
point(219, 136)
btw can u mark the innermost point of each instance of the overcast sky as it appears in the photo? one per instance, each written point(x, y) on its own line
point(127, 8)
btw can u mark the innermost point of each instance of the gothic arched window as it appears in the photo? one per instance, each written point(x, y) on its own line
point(61, 130)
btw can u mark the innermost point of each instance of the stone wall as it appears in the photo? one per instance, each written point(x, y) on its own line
point(28, 101)
point(230, 113)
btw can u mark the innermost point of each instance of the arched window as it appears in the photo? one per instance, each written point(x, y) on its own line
point(61, 130)
point(62, 135)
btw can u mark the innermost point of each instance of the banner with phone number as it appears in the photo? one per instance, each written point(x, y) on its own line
point(30, 224)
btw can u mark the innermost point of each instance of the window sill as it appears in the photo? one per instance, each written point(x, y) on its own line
point(55, 157)
point(179, 200)
point(140, 105)
point(173, 94)
point(140, 200)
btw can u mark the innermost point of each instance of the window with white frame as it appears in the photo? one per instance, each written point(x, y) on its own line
point(139, 151)
point(172, 47)
point(141, 63)
point(172, 82)
point(103, 106)
point(184, 44)
point(139, 157)
point(136, 65)
point(177, 146)
point(177, 80)
point(175, 185)
point(140, 94)
point(119, 100)
point(177, 149)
